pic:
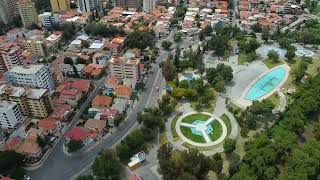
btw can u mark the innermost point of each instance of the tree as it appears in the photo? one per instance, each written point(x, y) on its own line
point(68, 60)
point(229, 145)
point(208, 30)
point(169, 71)
point(140, 40)
point(217, 163)
point(107, 166)
point(257, 28)
point(166, 45)
point(73, 145)
point(11, 164)
point(219, 44)
point(177, 37)
point(290, 54)
point(41, 141)
point(119, 119)
point(265, 35)
point(316, 131)
point(273, 56)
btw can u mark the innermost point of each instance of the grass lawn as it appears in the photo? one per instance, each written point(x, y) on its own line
point(226, 120)
point(173, 125)
point(270, 64)
point(194, 117)
point(163, 138)
point(193, 137)
point(275, 99)
point(217, 130)
point(242, 59)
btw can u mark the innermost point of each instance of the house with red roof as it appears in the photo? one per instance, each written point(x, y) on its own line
point(49, 125)
point(62, 112)
point(123, 91)
point(109, 114)
point(80, 134)
point(101, 101)
point(111, 82)
point(69, 96)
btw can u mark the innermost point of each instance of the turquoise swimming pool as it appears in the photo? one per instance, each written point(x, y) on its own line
point(266, 84)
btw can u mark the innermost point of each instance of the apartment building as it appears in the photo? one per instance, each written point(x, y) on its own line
point(125, 68)
point(30, 101)
point(129, 3)
point(48, 19)
point(3, 67)
point(36, 45)
point(89, 5)
point(38, 76)
point(60, 5)
point(10, 114)
point(149, 5)
point(28, 12)
point(8, 10)
point(11, 55)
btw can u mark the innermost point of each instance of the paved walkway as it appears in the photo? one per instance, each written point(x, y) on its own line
point(219, 110)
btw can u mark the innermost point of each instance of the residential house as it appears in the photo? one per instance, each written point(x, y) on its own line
point(80, 134)
point(62, 112)
point(111, 82)
point(101, 101)
point(95, 125)
point(116, 44)
point(123, 91)
point(121, 105)
point(29, 146)
point(109, 114)
point(49, 125)
point(70, 96)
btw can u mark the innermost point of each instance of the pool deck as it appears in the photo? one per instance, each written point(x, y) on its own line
point(243, 103)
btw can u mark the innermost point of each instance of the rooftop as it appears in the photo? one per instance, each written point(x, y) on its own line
point(5, 105)
point(28, 69)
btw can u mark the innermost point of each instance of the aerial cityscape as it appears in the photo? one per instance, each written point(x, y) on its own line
point(159, 89)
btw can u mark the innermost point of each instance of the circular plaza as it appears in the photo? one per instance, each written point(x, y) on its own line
point(201, 129)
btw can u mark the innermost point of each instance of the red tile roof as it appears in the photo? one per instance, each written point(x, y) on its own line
point(124, 90)
point(82, 85)
point(47, 124)
point(78, 134)
point(101, 101)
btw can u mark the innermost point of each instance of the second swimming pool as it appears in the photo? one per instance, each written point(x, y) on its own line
point(266, 84)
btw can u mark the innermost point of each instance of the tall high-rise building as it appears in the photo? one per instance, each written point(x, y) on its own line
point(28, 12)
point(129, 3)
point(30, 101)
point(149, 5)
point(32, 75)
point(11, 55)
point(60, 5)
point(89, 5)
point(8, 10)
point(10, 114)
point(125, 68)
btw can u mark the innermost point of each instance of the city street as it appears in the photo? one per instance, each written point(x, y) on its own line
point(59, 166)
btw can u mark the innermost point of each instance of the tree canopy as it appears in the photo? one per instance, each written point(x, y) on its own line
point(140, 40)
point(107, 166)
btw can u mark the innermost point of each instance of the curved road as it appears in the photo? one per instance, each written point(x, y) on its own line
point(59, 166)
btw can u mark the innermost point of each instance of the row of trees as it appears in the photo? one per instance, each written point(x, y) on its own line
point(186, 165)
point(99, 29)
point(152, 120)
point(282, 152)
point(140, 40)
